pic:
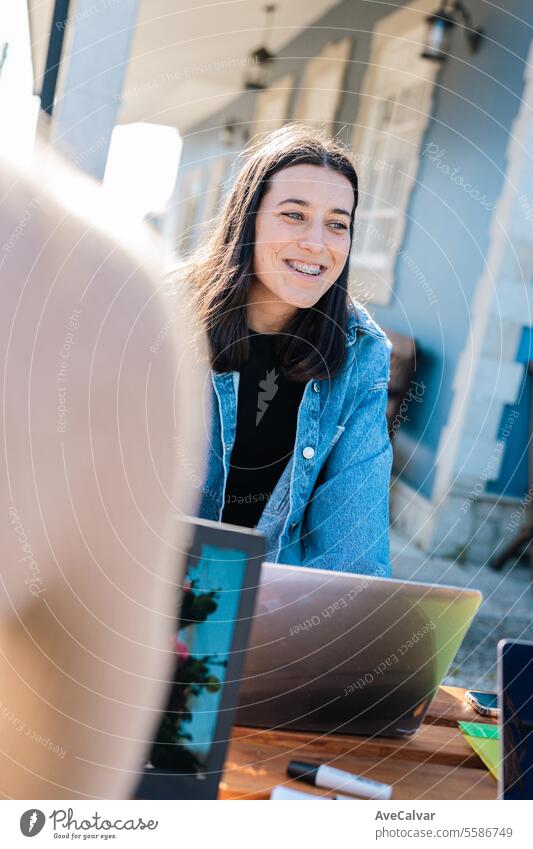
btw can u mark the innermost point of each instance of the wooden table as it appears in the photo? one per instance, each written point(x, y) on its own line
point(435, 763)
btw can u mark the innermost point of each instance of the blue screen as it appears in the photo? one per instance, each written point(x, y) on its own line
point(204, 636)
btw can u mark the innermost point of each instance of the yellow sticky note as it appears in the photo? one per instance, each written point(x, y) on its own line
point(488, 751)
point(485, 743)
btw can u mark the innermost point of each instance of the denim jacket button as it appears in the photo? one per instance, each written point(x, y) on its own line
point(316, 386)
point(293, 526)
point(308, 452)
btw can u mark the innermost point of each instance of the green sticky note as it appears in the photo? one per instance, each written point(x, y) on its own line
point(484, 740)
point(480, 729)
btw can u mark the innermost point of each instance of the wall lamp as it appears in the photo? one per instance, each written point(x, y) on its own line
point(440, 25)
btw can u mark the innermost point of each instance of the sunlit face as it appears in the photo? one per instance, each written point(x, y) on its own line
point(302, 234)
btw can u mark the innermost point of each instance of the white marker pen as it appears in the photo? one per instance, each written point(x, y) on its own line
point(337, 779)
point(282, 793)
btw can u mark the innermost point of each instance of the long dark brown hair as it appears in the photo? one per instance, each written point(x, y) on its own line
point(312, 344)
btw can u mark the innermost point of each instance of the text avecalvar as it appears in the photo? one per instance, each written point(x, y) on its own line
point(404, 815)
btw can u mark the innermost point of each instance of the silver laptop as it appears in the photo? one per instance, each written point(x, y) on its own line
point(347, 653)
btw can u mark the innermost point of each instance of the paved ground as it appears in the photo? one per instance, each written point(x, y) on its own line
point(506, 611)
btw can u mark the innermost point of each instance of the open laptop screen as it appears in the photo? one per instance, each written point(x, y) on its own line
point(203, 642)
point(213, 621)
point(515, 669)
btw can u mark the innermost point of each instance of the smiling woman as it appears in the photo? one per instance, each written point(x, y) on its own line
point(302, 231)
point(299, 442)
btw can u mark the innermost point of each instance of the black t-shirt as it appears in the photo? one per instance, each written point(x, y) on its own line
point(267, 413)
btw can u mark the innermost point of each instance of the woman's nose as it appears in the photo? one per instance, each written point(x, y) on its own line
point(313, 239)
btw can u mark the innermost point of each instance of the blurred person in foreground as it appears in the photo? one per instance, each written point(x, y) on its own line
point(98, 385)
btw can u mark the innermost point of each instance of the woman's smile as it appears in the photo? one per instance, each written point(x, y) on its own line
point(309, 269)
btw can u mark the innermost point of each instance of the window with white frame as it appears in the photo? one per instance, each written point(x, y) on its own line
point(322, 84)
point(395, 108)
point(190, 192)
point(272, 105)
point(216, 188)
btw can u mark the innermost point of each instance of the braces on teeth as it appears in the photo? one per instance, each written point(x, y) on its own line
point(313, 270)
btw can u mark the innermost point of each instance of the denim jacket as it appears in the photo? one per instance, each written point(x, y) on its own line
point(342, 520)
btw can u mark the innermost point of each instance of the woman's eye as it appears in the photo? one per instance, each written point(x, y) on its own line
point(295, 216)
